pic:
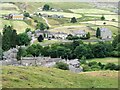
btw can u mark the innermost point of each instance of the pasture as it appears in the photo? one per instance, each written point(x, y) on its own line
point(7, 8)
point(68, 15)
point(8, 5)
point(105, 60)
point(101, 23)
point(20, 26)
point(42, 77)
point(112, 28)
point(107, 17)
point(71, 29)
point(91, 11)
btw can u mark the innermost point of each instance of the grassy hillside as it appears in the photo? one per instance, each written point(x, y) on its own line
point(32, 7)
point(20, 26)
point(41, 77)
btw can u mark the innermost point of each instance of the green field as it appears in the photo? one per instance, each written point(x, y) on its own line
point(8, 8)
point(91, 11)
point(33, 6)
point(41, 77)
point(105, 60)
point(112, 28)
point(101, 23)
point(68, 15)
point(20, 26)
point(107, 17)
point(72, 28)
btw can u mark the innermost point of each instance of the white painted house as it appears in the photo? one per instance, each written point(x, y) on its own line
point(17, 16)
point(105, 33)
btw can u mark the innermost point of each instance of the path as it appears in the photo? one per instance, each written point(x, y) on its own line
point(46, 21)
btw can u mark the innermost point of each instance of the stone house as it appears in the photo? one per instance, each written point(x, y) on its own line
point(79, 33)
point(105, 33)
point(60, 35)
point(10, 54)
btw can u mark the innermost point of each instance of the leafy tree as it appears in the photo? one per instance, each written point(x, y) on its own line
point(99, 50)
point(102, 18)
point(116, 40)
point(73, 20)
point(104, 23)
point(14, 38)
point(98, 32)
point(110, 66)
point(9, 38)
point(26, 14)
point(46, 7)
point(27, 30)
point(40, 26)
point(88, 35)
point(62, 66)
point(34, 49)
point(23, 39)
point(40, 38)
point(19, 54)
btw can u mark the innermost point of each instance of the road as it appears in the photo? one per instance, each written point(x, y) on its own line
point(46, 21)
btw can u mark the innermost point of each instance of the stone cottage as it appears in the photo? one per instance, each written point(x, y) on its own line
point(105, 33)
point(79, 33)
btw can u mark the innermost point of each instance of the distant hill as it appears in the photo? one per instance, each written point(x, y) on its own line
point(41, 77)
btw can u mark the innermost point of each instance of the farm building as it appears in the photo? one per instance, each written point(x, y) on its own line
point(105, 33)
point(80, 33)
point(14, 16)
point(17, 16)
point(60, 35)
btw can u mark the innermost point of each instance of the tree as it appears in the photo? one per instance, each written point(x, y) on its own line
point(83, 50)
point(9, 38)
point(27, 30)
point(73, 20)
point(62, 66)
point(46, 7)
point(102, 18)
point(26, 14)
point(110, 66)
point(88, 35)
point(40, 26)
point(40, 38)
point(34, 49)
point(98, 32)
point(19, 54)
point(14, 38)
point(99, 50)
point(116, 40)
point(104, 23)
point(23, 39)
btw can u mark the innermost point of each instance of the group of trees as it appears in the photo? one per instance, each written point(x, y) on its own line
point(76, 49)
point(71, 37)
point(10, 38)
point(93, 66)
point(41, 26)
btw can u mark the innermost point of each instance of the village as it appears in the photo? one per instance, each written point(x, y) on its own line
point(9, 57)
point(59, 44)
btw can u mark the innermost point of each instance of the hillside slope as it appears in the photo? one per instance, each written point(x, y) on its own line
point(41, 77)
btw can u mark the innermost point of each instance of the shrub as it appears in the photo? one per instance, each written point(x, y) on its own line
point(95, 67)
point(110, 66)
point(62, 66)
point(86, 68)
point(92, 63)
